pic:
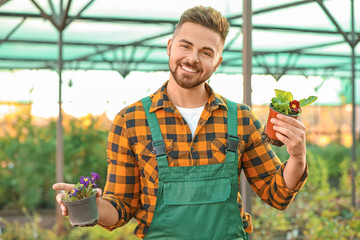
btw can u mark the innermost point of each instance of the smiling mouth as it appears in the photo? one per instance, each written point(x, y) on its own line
point(188, 69)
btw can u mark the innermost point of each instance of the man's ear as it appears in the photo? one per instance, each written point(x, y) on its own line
point(168, 48)
point(218, 64)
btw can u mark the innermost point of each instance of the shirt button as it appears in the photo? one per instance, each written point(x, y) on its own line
point(201, 122)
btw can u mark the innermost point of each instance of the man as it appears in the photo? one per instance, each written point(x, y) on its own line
point(174, 159)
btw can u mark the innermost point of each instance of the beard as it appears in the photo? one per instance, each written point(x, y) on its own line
point(186, 80)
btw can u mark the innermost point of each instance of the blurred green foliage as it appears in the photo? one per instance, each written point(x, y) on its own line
point(27, 158)
point(32, 230)
point(321, 210)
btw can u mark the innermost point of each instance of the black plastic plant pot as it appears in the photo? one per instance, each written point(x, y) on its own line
point(83, 212)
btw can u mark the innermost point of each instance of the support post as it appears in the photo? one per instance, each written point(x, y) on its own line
point(353, 81)
point(59, 137)
point(247, 72)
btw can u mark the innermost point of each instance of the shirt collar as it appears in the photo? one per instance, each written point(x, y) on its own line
point(161, 100)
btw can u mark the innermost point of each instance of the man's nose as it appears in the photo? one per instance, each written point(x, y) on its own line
point(193, 57)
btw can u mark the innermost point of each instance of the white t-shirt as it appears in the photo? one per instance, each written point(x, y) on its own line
point(191, 116)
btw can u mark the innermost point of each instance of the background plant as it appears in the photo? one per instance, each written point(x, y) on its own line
point(27, 156)
point(322, 210)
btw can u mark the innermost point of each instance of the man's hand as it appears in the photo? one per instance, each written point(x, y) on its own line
point(64, 188)
point(292, 133)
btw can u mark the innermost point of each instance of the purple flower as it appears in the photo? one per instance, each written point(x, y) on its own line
point(95, 176)
point(84, 188)
point(85, 181)
point(74, 192)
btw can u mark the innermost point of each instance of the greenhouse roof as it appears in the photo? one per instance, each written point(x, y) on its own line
point(308, 37)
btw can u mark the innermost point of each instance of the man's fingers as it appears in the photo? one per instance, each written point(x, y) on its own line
point(63, 209)
point(285, 131)
point(63, 186)
point(62, 206)
point(289, 127)
point(59, 197)
point(98, 192)
point(291, 121)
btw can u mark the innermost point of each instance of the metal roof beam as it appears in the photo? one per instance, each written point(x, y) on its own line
point(136, 43)
point(15, 41)
point(95, 19)
point(64, 15)
point(277, 71)
point(332, 20)
point(69, 43)
point(45, 15)
point(71, 19)
point(275, 8)
point(290, 29)
point(256, 53)
point(301, 49)
point(308, 54)
point(232, 41)
point(164, 67)
point(157, 21)
point(143, 59)
point(2, 2)
point(13, 31)
point(51, 5)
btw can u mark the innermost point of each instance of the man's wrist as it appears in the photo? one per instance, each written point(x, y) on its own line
point(108, 214)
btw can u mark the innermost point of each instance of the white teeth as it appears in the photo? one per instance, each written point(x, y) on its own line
point(188, 69)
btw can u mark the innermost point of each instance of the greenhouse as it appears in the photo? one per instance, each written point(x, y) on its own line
point(68, 67)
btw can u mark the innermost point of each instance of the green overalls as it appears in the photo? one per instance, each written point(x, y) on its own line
point(196, 202)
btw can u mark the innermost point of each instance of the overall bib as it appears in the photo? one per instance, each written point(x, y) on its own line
point(196, 202)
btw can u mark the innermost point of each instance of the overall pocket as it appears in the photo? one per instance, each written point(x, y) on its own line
point(198, 208)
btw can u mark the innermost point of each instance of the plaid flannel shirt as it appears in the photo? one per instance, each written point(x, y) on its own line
point(132, 178)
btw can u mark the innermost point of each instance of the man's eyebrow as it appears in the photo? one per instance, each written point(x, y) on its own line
point(186, 41)
point(190, 43)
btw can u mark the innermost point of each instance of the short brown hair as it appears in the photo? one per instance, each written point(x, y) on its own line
point(207, 17)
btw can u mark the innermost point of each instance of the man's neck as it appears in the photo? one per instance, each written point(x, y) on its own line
point(187, 98)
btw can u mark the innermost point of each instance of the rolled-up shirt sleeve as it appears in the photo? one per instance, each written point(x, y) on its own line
point(122, 186)
point(264, 170)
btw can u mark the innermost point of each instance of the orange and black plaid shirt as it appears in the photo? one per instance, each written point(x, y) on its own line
point(132, 178)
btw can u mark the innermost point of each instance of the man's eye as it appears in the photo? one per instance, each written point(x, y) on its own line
point(207, 54)
point(184, 46)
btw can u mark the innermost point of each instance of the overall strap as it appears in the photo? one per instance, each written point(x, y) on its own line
point(157, 139)
point(233, 139)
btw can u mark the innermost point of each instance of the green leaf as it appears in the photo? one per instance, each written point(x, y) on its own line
point(282, 107)
point(304, 102)
point(288, 97)
point(283, 96)
point(280, 95)
point(275, 101)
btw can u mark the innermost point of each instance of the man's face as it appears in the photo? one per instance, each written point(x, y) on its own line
point(194, 54)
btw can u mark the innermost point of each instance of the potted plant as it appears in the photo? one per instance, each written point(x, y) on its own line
point(283, 103)
point(81, 202)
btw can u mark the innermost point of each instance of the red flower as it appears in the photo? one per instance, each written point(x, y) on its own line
point(295, 106)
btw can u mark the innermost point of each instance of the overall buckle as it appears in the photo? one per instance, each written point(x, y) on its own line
point(232, 143)
point(159, 147)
